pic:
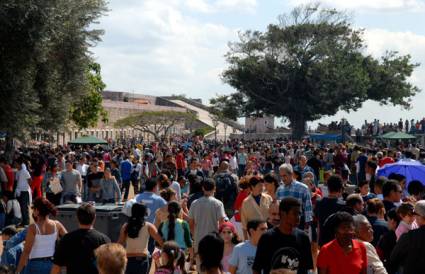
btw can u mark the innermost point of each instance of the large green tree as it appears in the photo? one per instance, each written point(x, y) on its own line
point(87, 111)
point(44, 56)
point(313, 63)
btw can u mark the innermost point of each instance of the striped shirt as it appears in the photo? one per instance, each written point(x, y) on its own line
point(301, 192)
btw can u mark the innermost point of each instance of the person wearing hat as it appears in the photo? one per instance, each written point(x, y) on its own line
point(230, 237)
point(409, 251)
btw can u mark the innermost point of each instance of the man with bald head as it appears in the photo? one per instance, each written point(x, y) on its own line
point(274, 217)
point(303, 167)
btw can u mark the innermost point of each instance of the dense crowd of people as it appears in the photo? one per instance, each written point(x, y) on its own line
point(236, 207)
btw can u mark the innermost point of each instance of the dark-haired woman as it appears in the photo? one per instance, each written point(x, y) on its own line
point(161, 214)
point(134, 236)
point(343, 254)
point(176, 229)
point(40, 240)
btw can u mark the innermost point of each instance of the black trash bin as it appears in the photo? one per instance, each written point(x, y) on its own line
point(109, 218)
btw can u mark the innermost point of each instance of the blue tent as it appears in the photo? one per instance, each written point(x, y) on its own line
point(317, 137)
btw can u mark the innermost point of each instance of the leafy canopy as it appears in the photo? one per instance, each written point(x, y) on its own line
point(44, 56)
point(311, 64)
point(88, 109)
point(155, 122)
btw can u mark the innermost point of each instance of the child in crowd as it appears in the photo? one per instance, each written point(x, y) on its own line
point(405, 212)
point(170, 260)
point(377, 187)
point(364, 191)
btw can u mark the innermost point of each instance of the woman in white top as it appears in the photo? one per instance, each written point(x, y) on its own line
point(40, 240)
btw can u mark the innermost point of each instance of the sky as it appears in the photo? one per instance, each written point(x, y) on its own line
point(164, 47)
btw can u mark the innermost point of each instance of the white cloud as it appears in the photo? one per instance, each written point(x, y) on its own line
point(367, 5)
point(247, 5)
point(206, 6)
point(379, 41)
point(155, 48)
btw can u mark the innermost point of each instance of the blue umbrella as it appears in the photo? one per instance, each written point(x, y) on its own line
point(412, 170)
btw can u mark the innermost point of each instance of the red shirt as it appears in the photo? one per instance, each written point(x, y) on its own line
point(335, 261)
point(180, 161)
point(238, 204)
point(10, 177)
point(386, 160)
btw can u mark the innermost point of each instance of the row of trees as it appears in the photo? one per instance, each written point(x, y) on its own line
point(48, 77)
point(309, 65)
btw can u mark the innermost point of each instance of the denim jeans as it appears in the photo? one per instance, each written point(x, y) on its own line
point(137, 265)
point(42, 266)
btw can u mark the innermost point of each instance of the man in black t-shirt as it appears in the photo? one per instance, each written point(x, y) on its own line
point(285, 247)
point(329, 205)
point(75, 250)
point(93, 183)
point(391, 191)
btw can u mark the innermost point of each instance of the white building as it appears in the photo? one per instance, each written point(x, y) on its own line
point(259, 124)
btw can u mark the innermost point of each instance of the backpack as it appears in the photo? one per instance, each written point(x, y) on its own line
point(225, 189)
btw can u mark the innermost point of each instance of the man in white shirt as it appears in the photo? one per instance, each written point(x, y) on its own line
point(82, 167)
point(23, 191)
point(233, 162)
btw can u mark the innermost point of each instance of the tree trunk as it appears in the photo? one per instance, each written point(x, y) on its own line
point(298, 125)
point(156, 137)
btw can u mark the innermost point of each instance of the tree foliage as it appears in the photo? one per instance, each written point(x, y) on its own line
point(203, 131)
point(156, 123)
point(44, 56)
point(88, 109)
point(225, 107)
point(311, 64)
